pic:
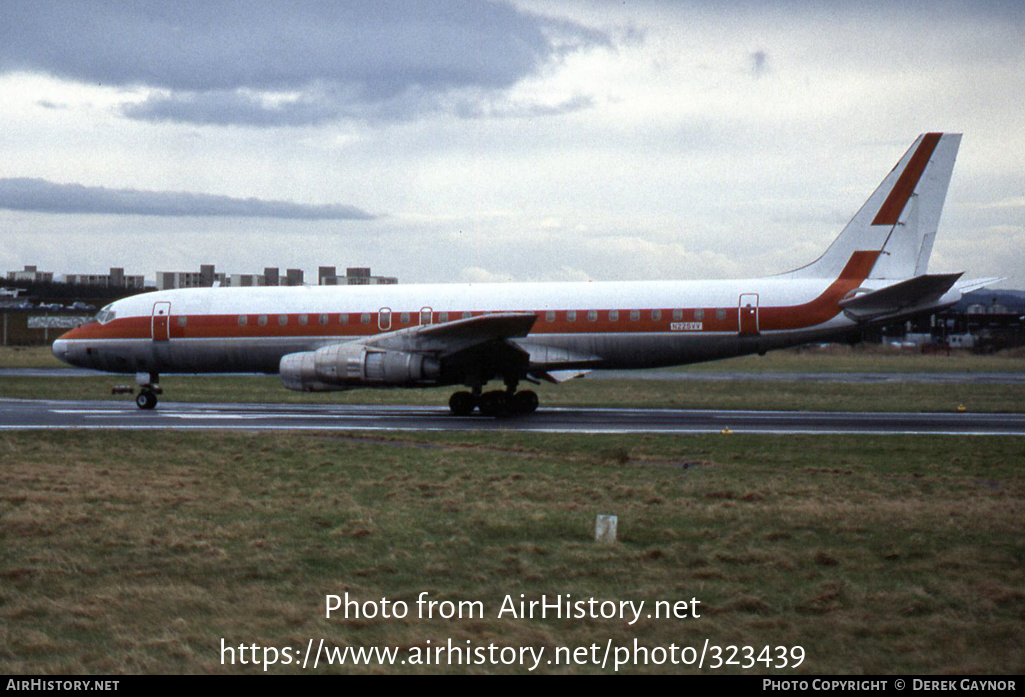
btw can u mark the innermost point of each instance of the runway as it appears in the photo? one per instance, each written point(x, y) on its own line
point(852, 378)
point(17, 414)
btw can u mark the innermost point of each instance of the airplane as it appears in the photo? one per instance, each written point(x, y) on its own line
point(327, 338)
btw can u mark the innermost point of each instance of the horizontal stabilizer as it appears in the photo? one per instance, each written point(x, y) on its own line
point(916, 293)
point(971, 284)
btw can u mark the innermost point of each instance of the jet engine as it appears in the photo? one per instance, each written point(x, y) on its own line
point(343, 366)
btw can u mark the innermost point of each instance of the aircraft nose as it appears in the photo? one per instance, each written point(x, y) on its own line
point(60, 349)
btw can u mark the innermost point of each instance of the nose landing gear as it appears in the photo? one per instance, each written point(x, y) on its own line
point(149, 388)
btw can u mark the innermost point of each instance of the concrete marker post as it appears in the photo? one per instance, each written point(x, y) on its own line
point(605, 528)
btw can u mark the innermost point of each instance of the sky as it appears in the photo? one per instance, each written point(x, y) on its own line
point(464, 140)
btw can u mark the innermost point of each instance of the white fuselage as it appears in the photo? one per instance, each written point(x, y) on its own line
point(594, 325)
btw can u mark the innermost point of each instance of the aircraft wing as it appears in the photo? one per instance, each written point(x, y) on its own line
point(921, 292)
point(448, 338)
point(485, 340)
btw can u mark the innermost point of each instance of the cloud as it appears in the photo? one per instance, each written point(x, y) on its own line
point(481, 108)
point(239, 108)
point(216, 62)
point(48, 197)
point(759, 63)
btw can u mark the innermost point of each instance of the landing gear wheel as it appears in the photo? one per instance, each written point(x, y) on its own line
point(462, 403)
point(525, 402)
point(146, 400)
point(494, 403)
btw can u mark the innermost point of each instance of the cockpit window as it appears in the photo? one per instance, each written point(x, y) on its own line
point(105, 315)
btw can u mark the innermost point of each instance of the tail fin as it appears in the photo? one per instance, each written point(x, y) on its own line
point(899, 220)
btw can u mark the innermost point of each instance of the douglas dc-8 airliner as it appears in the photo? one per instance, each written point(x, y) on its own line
point(341, 337)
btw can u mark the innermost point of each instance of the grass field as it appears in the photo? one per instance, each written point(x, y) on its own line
point(139, 552)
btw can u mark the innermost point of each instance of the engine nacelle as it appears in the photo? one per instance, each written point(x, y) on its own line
point(341, 366)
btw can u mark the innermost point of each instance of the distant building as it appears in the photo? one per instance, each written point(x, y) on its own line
point(357, 275)
point(31, 274)
point(325, 272)
point(244, 280)
point(115, 279)
point(354, 276)
point(208, 276)
point(204, 278)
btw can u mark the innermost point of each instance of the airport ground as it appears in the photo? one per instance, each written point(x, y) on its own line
point(137, 552)
point(756, 392)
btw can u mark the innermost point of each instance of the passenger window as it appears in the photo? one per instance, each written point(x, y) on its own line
point(182, 320)
point(613, 315)
point(635, 315)
point(592, 315)
point(343, 318)
point(677, 315)
point(720, 314)
point(467, 315)
point(550, 316)
point(262, 321)
point(243, 320)
point(404, 318)
point(699, 314)
point(303, 319)
point(571, 315)
point(323, 319)
point(443, 317)
point(656, 315)
point(282, 320)
point(365, 318)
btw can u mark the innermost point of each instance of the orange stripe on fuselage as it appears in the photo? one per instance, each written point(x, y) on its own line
point(825, 306)
point(124, 328)
point(814, 312)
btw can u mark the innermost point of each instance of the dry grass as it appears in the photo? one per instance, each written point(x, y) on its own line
point(137, 553)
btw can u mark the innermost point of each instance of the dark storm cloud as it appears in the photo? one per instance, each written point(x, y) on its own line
point(48, 197)
point(208, 57)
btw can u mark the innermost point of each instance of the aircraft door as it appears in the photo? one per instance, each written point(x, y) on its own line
point(426, 315)
point(748, 314)
point(161, 323)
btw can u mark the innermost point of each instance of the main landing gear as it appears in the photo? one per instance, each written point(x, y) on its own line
point(506, 402)
point(149, 388)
